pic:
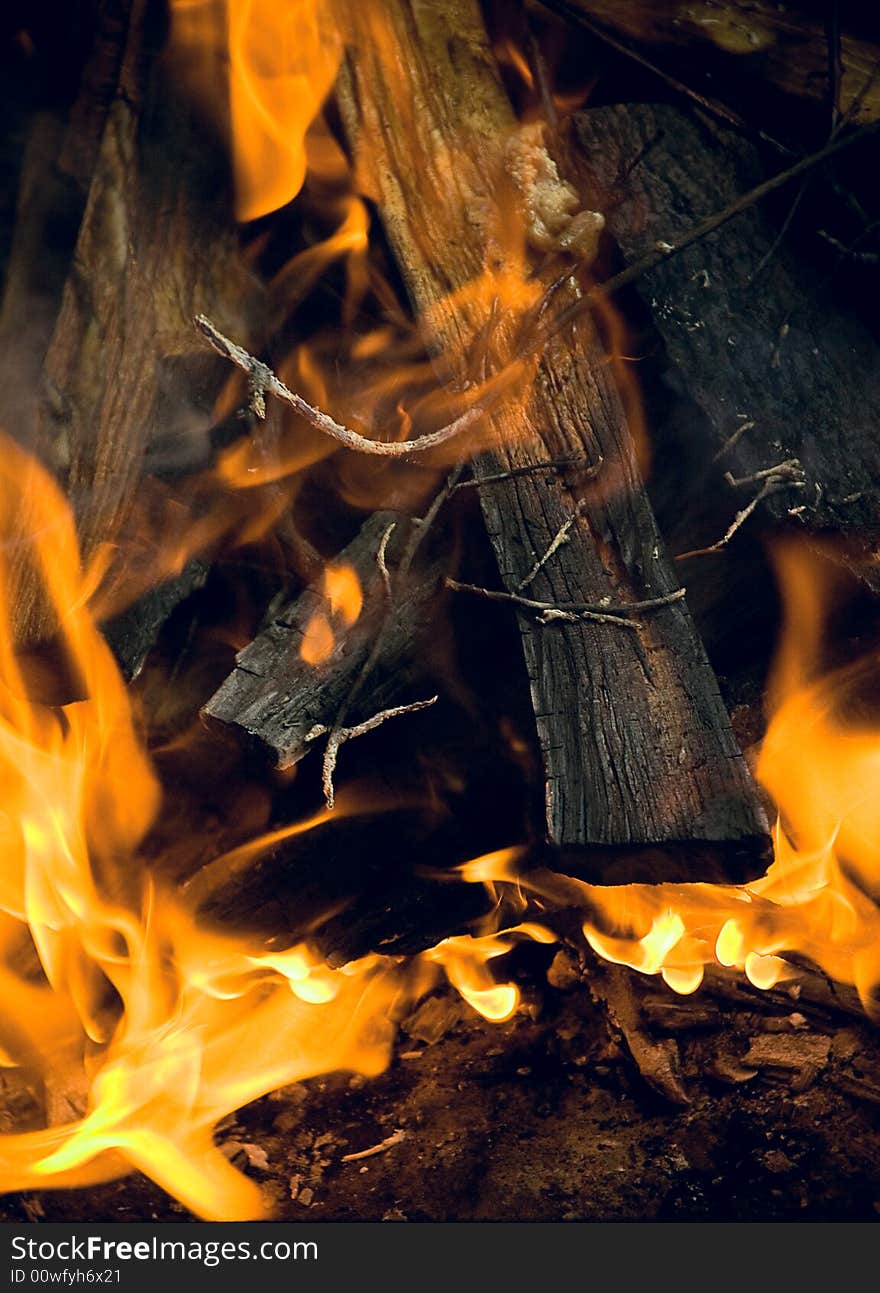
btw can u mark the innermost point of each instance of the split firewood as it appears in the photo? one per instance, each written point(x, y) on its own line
point(56, 171)
point(156, 241)
point(751, 332)
point(291, 683)
point(637, 745)
point(743, 44)
point(133, 633)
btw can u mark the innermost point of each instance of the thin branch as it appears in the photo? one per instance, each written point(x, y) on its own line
point(339, 735)
point(852, 249)
point(422, 525)
point(835, 61)
point(388, 1143)
point(856, 106)
point(791, 470)
point(548, 611)
point(772, 485)
point(555, 544)
point(474, 482)
point(338, 732)
point(380, 559)
point(733, 439)
point(777, 241)
point(263, 381)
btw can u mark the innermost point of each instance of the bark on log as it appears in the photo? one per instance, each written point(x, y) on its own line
point(637, 745)
point(747, 43)
point(776, 352)
point(156, 243)
point(274, 698)
point(57, 166)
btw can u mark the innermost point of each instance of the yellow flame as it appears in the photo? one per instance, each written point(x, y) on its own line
point(171, 1026)
point(819, 899)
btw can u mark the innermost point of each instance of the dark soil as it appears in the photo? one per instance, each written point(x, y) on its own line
point(547, 1118)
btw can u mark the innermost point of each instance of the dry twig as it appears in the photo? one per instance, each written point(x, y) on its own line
point(733, 440)
point(388, 1143)
point(263, 381)
point(555, 544)
point(572, 611)
point(785, 475)
point(588, 473)
point(337, 736)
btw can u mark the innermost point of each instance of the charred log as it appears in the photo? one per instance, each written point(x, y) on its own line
point(637, 746)
point(156, 239)
point(753, 333)
point(284, 703)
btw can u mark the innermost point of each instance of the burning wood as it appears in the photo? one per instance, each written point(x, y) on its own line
point(144, 1006)
point(418, 114)
point(293, 681)
point(752, 349)
point(154, 242)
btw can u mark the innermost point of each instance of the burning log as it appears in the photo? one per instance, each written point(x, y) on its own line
point(638, 751)
point(750, 330)
point(292, 682)
point(155, 240)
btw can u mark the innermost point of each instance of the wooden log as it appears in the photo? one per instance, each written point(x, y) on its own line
point(747, 47)
point(56, 171)
point(639, 757)
point(349, 885)
point(156, 243)
point(133, 633)
point(780, 371)
point(280, 702)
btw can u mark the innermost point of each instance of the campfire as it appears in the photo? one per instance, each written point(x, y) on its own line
point(437, 598)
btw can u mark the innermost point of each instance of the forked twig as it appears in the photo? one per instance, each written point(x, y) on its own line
point(337, 736)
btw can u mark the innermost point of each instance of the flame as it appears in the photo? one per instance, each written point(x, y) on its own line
point(818, 901)
point(111, 983)
point(280, 59)
point(345, 598)
point(108, 978)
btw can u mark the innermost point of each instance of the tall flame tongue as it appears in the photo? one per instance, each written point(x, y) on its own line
point(277, 61)
point(108, 982)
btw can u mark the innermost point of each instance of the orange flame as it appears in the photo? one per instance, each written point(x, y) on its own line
point(345, 598)
point(819, 898)
point(172, 1026)
point(282, 62)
